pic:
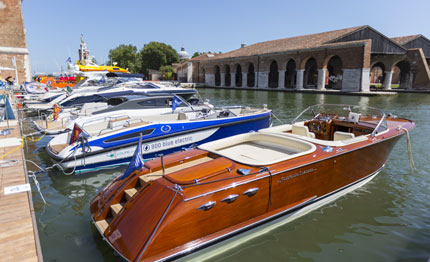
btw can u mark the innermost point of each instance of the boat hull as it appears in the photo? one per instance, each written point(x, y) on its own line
point(120, 153)
point(237, 188)
point(292, 189)
point(220, 246)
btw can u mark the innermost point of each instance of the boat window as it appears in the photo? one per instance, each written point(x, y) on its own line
point(147, 86)
point(130, 135)
point(158, 102)
point(82, 100)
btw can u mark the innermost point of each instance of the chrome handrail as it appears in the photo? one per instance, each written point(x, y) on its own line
point(103, 118)
point(375, 131)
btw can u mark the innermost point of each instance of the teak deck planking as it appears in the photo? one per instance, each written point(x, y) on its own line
point(18, 230)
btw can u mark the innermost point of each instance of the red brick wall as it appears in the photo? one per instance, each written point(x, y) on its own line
point(12, 32)
point(6, 61)
point(12, 35)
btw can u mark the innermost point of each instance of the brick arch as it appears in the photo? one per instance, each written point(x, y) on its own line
point(290, 73)
point(378, 62)
point(285, 61)
point(305, 60)
point(310, 66)
point(227, 75)
point(327, 60)
point(238, 69)
point(405, 60)
point(250, 74)
point(401, 73)
point(377, 76)
point(334, 72)
point(273, 74)
point(217, 75)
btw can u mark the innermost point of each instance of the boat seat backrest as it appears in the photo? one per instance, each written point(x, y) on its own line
point(302, 130)
point(353, 117)
point(182, 116)
point(338, 135)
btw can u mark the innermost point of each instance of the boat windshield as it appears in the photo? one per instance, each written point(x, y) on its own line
point(351, 113)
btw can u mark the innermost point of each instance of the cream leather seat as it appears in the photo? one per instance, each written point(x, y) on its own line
point(302, 130)
point(338, 135)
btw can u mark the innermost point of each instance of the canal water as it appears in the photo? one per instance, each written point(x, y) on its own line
point(386, 220)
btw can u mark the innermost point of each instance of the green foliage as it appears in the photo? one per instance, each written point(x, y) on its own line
point(166, 72)
point(126, 57)
point(196, 54)
point(154, 55)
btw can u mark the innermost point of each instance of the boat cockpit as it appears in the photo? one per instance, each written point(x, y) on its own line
point(334, 125)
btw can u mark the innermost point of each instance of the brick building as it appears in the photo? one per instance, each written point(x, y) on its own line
point(350, 59)
point(13, 42)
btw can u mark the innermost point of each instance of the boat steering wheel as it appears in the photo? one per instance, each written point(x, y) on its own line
point(321, 123)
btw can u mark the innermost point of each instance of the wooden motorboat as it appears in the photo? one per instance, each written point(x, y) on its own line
point(189, 201)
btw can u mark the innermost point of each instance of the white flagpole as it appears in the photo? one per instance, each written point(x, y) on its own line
point(16, 69)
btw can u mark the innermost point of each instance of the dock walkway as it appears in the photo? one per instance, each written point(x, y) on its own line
point(19, 240)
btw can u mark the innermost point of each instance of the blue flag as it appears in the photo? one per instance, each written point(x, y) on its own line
point(176, 102)
point(69, 60)
point(136, 162)
point(102, 80)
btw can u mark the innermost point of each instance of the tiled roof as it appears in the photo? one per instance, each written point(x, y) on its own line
point(402, 40)
point(204, 56)
point(291, 43)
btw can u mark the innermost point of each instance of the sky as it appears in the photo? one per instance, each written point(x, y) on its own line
point(53, 27)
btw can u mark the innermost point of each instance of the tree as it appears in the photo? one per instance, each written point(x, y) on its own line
point(197, 54)
point(155, 55)
point(166, 72)
point(125, 56)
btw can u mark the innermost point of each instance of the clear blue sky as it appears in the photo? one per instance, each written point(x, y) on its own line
point(54, 27)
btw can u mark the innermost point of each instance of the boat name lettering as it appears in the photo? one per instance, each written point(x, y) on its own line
point(167, 143)
point(304, 172)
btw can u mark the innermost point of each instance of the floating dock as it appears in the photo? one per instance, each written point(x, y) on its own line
point(19, 239)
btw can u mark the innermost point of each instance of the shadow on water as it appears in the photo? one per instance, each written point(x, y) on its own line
point(386, 220)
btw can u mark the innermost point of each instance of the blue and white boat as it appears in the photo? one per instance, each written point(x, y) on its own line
point(112, 142)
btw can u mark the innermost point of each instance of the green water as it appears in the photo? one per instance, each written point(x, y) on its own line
point(386, 220)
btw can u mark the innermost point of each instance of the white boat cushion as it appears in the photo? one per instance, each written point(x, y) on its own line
point(302, 130)
point(338, 135)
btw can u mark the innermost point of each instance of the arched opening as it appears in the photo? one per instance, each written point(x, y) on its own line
point(334, 73)
point(377, 75)
point(311, 73)
point(227, 76)
point(250, 79)
point(290, 74)
point(203, 78)
point(401, 75)
point(217, 76)
point(273, 75)
point(238, 76)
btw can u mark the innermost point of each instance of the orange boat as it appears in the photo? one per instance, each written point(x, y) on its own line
point(183, 203)
point(59, 82)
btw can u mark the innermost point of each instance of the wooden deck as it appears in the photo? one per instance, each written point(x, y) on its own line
point(19, 240)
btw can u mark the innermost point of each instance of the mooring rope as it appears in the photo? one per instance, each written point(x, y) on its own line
point(33, 175)
point(25, 137)
point(411, 159)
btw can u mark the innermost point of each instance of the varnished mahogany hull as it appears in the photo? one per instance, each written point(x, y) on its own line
point(163, 223)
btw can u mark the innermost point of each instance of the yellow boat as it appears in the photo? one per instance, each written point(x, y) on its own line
point(95, 67)
point(86, 62)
